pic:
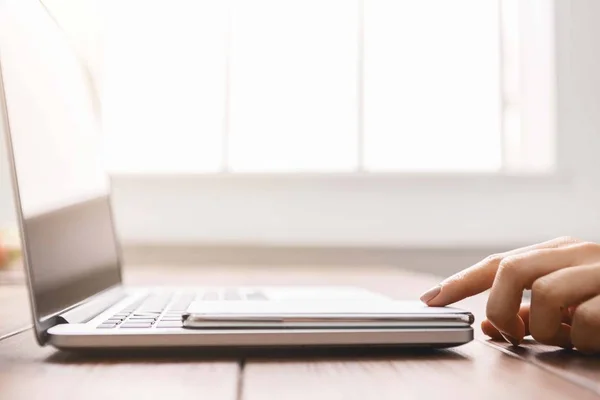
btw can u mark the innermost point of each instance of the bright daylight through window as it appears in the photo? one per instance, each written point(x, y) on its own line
point(332, 86)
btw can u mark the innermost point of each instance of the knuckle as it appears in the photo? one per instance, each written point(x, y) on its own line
point(589, 247)
point(544, 289)
point(566, 240)
point(494, 259)
point(509, 266)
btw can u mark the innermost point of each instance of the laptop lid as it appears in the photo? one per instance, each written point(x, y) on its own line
point(48, 115)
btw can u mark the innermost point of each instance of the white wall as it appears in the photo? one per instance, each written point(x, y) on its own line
point(399, 211)
point(315, 211)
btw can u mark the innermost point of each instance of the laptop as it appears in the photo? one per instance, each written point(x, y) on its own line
point(71, 251)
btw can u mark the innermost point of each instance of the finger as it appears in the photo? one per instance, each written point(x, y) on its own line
point(554, 294)
point(480, 276)
point(488, 328)
point(519, 272)
point(586, 326)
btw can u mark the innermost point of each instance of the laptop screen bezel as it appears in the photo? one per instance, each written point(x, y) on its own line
point(43, 323)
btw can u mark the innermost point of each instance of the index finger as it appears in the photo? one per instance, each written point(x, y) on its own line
point(480, 277)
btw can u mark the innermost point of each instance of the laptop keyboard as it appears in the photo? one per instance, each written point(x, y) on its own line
point(165, 310)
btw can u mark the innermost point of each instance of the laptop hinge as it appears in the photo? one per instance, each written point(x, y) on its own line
point(93, 306)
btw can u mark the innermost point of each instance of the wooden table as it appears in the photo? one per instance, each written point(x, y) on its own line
point(478, 370)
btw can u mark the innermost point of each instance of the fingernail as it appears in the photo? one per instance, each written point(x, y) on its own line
point(431, 294)
point(510, 339)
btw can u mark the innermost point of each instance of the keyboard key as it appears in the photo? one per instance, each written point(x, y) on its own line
point(173, 314)
point(171, 318)
point(178, 305)
point(136, 325)
point(112, 321)
point(256, 296)
point(210, 296)
point(175, 308)
point(232, 295)
point(169, 324)
point(141, 321)
point(106, 326)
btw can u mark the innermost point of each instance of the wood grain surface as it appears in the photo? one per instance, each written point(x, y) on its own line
point(577, 368)
point(480, 369)
point(30, 372)
point(473, 371)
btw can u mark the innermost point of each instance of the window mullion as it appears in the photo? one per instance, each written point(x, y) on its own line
point(360, 148)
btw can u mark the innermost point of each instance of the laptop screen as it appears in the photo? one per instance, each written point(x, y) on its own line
point(53, 125)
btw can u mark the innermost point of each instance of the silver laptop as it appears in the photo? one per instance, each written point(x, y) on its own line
point(71, 253)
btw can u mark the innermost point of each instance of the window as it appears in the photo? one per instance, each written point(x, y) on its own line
point(326, 86)
point(304, 122)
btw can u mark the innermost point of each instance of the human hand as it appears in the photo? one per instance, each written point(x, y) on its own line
point(564, 277)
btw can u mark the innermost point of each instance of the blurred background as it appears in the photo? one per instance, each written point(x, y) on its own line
point(424, 134)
